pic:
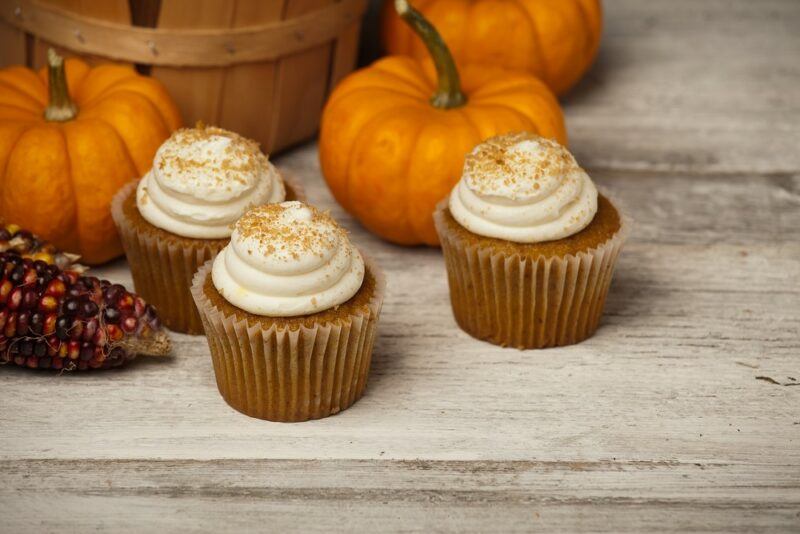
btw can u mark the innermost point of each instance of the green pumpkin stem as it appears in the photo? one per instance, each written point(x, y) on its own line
point(448, 94)
point(60, 108)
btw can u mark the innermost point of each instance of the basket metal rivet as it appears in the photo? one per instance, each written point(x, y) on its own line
point(152, 46)
point(18, 12)
point(79, 36)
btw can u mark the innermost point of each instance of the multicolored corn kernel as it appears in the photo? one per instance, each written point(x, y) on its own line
point(28, 245)
point(56, 319)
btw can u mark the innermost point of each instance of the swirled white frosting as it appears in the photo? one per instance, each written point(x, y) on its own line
point(523, 188)
point(203, 179)
point(286, 260)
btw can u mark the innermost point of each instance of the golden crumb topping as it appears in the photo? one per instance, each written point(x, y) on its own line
point(292, 229)
point(519, 163)
point(227, 157)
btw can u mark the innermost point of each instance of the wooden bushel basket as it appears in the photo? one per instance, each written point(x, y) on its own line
point(262, 68)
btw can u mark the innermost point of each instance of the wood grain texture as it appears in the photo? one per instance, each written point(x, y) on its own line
point(110, 10)
point(301, 85)
point(707, 86)
point(345, 52)
point(212, 47)
point(198, 91)
point(408, 496)
point(12, 51)
point(663, 421)
point(657, 421)
point(240, 79)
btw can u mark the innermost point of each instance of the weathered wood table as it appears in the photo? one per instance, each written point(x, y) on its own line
point(680, 414)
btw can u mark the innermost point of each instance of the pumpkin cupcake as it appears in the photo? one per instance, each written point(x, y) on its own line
point(290, 308)
point(181, 213)
point(529, 244)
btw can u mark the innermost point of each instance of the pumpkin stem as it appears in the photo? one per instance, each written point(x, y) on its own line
point(60, 108)
point(448, 94)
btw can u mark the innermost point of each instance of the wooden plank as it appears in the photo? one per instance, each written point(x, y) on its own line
point(214, 47)
point(167, 513)
point(111, 10)
point(12, 46)
point(248, 103)
point(692, 86)
point(408, 496)
point(197, 91)
point(672, 374)
point(456, 434)
point(301, 84)
point(345, 54)
point(691, 321)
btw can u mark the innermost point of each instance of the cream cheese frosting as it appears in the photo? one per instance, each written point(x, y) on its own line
point(203, 179)
point(523, 188)
point(286, 260)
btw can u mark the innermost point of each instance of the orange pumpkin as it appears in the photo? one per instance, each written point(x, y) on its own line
point(389, 152)
point(68, 145)
point(556, 40)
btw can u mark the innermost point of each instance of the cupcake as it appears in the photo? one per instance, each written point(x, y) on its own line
point(529, 244)
point(290, 308)
point(181, 213)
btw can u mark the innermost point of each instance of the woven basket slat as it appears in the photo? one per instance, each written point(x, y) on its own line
point(262, 68)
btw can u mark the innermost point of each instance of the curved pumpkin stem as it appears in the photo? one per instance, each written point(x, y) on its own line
point(60, 108)
point(449, 93)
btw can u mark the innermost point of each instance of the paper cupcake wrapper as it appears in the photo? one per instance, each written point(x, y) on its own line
point(513, 301)
point(280, 374)
point(162, 271)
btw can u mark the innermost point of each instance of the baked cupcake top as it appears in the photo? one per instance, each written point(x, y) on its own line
point(203, 179)
point(286, 260)
point(523, 188)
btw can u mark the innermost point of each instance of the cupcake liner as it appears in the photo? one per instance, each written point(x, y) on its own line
point(162, 269)
point(516, 301)
point(285, 374)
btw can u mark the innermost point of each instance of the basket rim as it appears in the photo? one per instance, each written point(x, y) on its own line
point(217, 47)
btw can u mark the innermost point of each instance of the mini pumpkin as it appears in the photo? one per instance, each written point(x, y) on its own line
point(389, 152)
point(70, 137)
point(556, 40)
